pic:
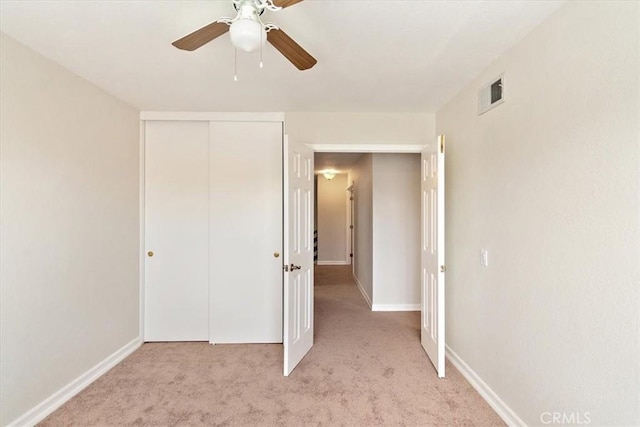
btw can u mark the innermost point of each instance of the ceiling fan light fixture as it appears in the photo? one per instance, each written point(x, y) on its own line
point(248, 35)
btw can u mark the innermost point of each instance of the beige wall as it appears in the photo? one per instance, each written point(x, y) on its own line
point(548, 183)
point(332, 219)
point(396, 231)
point(361, 175)
point(70, 227)
point(387, 229)
point(361, 128)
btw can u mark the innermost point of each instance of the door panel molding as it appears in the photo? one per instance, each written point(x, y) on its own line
point(298, 253)
point(432, 264)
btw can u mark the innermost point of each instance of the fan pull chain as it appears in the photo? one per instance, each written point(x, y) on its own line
point(235, 65)
point(261, 46)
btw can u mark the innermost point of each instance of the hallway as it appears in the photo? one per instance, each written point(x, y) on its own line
point(381, 355)
point(366, 368)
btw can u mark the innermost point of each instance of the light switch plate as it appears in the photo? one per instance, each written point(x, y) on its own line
point(484, 258)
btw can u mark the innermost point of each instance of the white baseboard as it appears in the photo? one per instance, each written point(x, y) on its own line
point(396, 307)
point(56, 400)
point(498, 405)
point(361, 288)
point(332, 263)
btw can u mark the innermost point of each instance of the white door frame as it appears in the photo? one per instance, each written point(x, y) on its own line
point(363, 148)
point(179, 116)
point(349, 195)
point(368, 148)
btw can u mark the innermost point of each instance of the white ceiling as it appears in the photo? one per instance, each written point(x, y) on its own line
point(375, 55)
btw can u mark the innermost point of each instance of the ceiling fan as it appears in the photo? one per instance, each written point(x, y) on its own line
point(248, 33)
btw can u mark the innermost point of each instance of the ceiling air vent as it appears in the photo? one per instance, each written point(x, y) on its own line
point(491, 95)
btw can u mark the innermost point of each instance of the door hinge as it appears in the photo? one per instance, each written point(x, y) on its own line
point(442, 143)
point(285, 268)
point(443, 268)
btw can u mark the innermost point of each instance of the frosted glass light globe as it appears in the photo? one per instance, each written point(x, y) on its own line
point(247, 35)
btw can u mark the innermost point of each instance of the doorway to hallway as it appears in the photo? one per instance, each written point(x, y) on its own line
point(430, 241)
point(372, 200)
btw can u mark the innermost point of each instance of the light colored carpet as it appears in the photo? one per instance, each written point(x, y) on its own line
point(366, 368)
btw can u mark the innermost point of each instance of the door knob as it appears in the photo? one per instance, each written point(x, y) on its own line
point(150, 253)
point(276, 254)
point(294, 267)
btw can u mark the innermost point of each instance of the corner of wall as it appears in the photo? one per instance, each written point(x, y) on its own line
point(59, 398)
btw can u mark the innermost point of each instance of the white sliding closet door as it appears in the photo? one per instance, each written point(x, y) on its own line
point(176, 231)
point(246, 232)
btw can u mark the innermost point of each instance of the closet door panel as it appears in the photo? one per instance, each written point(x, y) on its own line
point(176, 231)
point(245, 231)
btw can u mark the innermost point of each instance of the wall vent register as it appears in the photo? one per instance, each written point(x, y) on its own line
point(491, 95)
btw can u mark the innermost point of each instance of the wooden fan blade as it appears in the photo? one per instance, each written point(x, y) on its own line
point(202, 36)
point(291, 50)
point(285, 3)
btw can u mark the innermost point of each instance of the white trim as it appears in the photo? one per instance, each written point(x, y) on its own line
point(362, 291)
point(56, 400)
point(395, 307)
point(209, 139)
point(142, 239)
point(367, 148)
point(347, 246)
point(498, 405)
point(211, 116)
point(332, 263)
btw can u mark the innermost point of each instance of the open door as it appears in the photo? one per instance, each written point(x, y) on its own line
point(298, 253)
point(432, 256)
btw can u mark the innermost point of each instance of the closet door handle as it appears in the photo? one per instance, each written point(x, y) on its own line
point(294, 267)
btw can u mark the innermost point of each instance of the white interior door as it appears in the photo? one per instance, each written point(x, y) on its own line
point(176, 231)
point(432, 259)
point(246, 232)
point(298, 250)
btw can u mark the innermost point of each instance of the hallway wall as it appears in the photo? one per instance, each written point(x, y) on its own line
point(332, 203)
point(362, 175)
point(396, 232)
point(387, 230)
